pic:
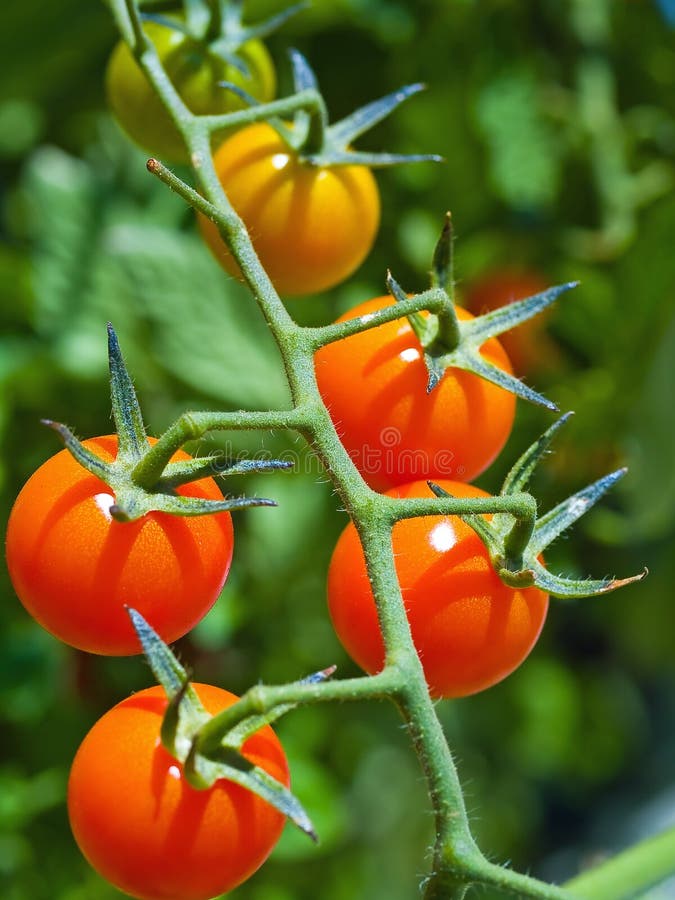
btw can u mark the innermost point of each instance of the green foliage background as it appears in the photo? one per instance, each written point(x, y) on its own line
point(559, 135)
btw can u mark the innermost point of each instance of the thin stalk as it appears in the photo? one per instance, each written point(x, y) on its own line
point(328, 334)
point(263, 698)
point(193, 425)
point(517, 505)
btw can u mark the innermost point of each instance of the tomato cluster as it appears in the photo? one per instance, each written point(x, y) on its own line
point(470, 629)
point(75, 567)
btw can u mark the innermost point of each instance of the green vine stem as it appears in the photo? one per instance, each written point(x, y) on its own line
point(630, 873)
point(457, 860)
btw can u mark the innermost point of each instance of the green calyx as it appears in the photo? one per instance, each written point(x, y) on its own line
point(217, 25)
point(319, 143)
point(142, 481)
point(449, 342)
point(186, 720)
point(515, 544)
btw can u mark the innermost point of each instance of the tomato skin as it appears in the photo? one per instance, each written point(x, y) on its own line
point(470, 629)
point(311, 226)
point(74, 567)
point(195, 74)
point(374, 385)
point(145, 829)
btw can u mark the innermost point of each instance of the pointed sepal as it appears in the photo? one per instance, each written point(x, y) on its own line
point(559, 519)
point(471, 360)
point(222, 48)
point(185, 713)
point(272, 23)
point(423, 326)
point(515, 540)
point(325, 145)
point(304, 78)
point(498, 321)
point(178, 505)
point(344, 132)
point(166, 22)
point(335, 157)
point(185, 716)
point(442, 262)
point(232, 765)
point(575, 589)
point(213, 466)
point(131, 434)
point(519, 476)
point(90, 461)
point(163, 663)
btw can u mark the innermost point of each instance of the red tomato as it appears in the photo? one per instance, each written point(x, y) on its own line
point(374, 385)
point(528, 346)
point(74, 567)
point(310, 225)
point(470, 629)
point(145, 829)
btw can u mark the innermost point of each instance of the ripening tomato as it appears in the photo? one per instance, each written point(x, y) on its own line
point(311, 226)
point(74, 567)
point(145, 829)
point(195, 73)
point(528, 346)
point(374, 385)
point(470, 629)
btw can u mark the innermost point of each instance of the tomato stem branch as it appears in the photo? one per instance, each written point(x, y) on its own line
point(193, 425)
point(328, 334)
point(262, 699)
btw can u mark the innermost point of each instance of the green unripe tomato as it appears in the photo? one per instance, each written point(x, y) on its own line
point(195, 73)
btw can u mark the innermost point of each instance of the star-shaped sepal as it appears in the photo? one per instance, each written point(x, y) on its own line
point(516, 544)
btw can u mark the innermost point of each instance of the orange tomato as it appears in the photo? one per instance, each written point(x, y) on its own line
point(311, 226)
point(470, 629)
point(145, 829)
point(374, 385)
point(74, 567)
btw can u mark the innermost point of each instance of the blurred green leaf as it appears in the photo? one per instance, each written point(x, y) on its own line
point(524, 157)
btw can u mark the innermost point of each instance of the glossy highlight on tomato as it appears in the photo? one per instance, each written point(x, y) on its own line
point(74, 567)
point(145, 829)
point(470, 629)
point(195, 73)
point(311, 226)
point(375, 387)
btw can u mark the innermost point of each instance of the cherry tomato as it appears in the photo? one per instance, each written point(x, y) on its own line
point(145, 829)
point(528, 346)
point(374, 385)
point(470, 629)
point(195, 73)
point(74, 567)
point(311, 226)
